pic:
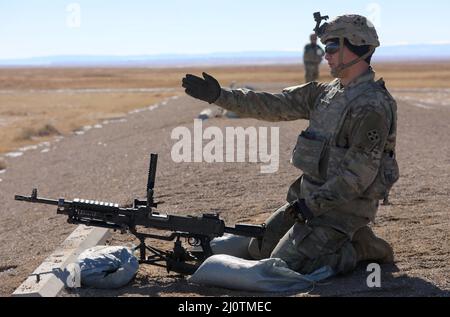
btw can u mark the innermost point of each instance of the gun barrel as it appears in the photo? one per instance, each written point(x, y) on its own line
point(37, 200)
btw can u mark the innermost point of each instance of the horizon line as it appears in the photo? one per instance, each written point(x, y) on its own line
point(137, 55)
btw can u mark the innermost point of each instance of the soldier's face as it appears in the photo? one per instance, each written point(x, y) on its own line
point(332, 57)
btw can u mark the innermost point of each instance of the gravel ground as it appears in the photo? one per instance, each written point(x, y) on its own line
point(110, 164)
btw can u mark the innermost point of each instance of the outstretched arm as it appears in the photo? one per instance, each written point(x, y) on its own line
point(292, 104)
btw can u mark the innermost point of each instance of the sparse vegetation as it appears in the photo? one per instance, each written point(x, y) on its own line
point(23, 111)
point(30, 133)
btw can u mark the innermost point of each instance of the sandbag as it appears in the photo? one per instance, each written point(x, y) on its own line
point(107, 266)
point(231, 245)
point(267, 275)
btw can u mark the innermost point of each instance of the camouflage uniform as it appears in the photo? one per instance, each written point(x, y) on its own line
point(347, 155)
point(347, 158)
point(312, 57)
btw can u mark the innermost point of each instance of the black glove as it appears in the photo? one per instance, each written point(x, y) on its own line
point(298, 210)
point(207, 89)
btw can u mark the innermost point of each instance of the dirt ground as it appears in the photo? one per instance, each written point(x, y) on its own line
point(110, 164)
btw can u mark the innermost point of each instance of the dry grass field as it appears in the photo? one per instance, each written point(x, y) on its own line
point(38, 103)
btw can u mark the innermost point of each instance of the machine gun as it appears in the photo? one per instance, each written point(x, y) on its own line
point(198, 230)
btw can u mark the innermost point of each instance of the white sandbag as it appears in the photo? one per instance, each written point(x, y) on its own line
point(107, 266)
point(268, 275)
point(231, 245)
point(212, 112)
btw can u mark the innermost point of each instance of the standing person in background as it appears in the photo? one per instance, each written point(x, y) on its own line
point(312, 57)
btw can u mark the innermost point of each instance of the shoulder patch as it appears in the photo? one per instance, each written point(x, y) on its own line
point(373, 136)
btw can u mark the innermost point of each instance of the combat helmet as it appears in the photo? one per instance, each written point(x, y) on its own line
point(356, 29)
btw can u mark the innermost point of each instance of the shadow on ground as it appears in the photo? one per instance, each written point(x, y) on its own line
point(393, 284)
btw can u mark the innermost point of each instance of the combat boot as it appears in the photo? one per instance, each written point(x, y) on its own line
point(371, 248)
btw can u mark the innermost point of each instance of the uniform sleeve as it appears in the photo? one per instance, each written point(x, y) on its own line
point(359, 167)
point(292, 104)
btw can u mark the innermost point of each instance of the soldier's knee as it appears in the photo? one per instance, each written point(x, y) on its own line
point(306, 249)
point(288, 248)
point(254, 249)
point(276, 226)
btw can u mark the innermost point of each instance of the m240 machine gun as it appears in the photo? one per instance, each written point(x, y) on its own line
point(198, 230)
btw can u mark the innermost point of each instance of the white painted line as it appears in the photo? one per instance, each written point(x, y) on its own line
point(419, 105)
point(49, 278)
point(14, 154)
point(27, 148)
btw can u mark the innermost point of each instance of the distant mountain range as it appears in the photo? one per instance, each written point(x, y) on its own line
point(399, 52)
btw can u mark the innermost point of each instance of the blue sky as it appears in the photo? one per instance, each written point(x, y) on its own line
point(133, 27)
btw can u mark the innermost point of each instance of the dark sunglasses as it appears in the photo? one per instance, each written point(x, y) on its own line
point(332, 48)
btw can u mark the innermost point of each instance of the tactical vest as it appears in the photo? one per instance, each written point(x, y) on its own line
point(317, 153)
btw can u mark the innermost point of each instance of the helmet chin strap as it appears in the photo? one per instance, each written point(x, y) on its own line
point(336, 72)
